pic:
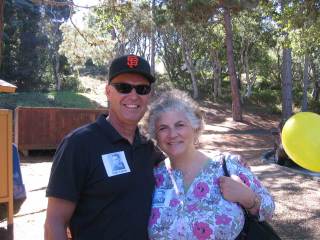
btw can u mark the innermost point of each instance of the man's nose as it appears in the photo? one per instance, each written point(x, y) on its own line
point(133, 93)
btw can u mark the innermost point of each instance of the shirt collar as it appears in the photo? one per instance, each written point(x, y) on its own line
point(113, 134)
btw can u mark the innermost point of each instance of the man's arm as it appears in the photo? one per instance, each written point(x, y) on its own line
point(59, 212)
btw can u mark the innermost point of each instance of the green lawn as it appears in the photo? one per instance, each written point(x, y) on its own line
point(51, 99)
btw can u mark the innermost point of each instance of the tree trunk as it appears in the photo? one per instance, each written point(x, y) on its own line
point(186, 52)
point(236, 104)
point(316, 81)
point(286, 84)
point(216, 65)
point(246, 66)
point(2, 2)
point(304, 104)
point(56, 66)
point(316, 90)
point(250, 84)
point(286, 78)
point(152, 39)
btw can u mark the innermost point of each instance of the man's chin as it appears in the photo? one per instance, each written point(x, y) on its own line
point(133, 117)
point(132, 120)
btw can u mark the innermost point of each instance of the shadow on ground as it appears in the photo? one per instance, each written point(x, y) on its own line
point(7, 233)
point(297, 196)
point(297, 200)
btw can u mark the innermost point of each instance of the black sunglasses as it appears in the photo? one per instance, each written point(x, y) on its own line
point(126, 88)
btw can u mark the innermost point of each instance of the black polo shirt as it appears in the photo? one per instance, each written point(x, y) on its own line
point(115, 207)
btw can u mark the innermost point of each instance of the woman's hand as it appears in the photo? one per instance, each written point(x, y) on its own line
point(234, 190)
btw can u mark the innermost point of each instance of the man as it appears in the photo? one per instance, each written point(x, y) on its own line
point(84, 192)
point(117, 163)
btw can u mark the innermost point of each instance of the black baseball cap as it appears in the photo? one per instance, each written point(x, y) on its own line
point(130, 64)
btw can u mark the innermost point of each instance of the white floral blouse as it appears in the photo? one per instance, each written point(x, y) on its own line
point(200, 212)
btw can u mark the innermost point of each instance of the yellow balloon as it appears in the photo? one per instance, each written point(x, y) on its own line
point(301, 140)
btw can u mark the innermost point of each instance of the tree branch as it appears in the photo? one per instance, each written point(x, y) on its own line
point(60, 4)
point(81, 34)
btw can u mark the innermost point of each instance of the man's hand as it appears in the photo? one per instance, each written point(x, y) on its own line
point(59, 213)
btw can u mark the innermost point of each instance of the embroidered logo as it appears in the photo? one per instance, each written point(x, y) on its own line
point(132, 61)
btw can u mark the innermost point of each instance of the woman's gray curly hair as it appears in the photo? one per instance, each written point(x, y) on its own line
point(174, 100)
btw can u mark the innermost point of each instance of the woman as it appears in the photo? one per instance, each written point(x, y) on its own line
point(193, 199)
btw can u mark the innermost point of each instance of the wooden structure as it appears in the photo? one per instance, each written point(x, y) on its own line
point(6, 87)
point(44, 128)
point(6, 178)
point(6, 161)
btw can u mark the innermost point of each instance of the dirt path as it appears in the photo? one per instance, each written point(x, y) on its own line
point(297, 196)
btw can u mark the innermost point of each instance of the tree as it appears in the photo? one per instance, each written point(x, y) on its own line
point(1, 27)
point(22, 63)
point(51, 19)
point(299, 23)
point(78, 50)
point(129, 23)
point(236, 103)
point(26, 55)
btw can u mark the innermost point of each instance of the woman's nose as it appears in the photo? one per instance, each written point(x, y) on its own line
point(173, 133)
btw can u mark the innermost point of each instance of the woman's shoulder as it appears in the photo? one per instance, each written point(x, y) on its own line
point(217, 156)
point(160, 167)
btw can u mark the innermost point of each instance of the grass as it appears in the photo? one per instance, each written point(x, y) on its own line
point(267, 101)
point(50, 99)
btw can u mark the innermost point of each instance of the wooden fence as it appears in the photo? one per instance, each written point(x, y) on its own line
point(44, 128)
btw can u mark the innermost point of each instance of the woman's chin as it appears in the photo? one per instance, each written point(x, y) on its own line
point(174, 155)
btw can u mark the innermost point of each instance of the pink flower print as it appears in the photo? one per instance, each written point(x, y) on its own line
point(244, 179)
point(192, 207)
point(201, 230)
point(200, 190)
point(257, 183)
point(216, 181)
point(181, 229)
point(174, 202)
point(223, 219)
point(155, 214)
point(159, 179)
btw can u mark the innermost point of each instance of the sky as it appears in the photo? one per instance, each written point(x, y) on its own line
point(77, 18)
point(86, 2)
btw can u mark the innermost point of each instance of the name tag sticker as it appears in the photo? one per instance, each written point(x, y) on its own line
point(161, 198)
point(115, 163)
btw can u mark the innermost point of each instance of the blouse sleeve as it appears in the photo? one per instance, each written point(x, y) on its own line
point(236, 167)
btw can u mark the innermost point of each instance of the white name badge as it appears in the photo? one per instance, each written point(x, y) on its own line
point(162, 198)
point(115, 163)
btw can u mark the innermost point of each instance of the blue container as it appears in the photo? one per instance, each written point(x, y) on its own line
point(19, 191)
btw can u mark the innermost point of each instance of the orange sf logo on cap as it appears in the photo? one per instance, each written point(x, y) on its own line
point(132, 61)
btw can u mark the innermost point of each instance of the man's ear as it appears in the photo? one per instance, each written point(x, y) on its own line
point(107, 89)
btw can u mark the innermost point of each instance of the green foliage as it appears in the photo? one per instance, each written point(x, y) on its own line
point(129, 24)
point(79, 49)
point(266, 98)
point(22, 62)
point(240, 4)
point(163, 83)
point(314, 106)
point(71, 83)
point(31, 39)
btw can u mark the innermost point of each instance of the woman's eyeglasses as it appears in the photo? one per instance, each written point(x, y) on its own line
point(126, 88)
